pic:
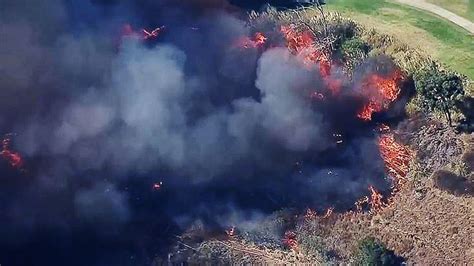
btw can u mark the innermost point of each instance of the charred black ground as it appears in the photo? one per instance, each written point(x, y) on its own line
point(231, 133)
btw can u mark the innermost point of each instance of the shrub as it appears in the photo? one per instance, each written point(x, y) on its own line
point(439, 90)
point(354, 51)
point(372, 252)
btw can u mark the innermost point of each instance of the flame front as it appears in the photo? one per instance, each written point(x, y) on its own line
point(396, 157)
point(381, 90)
point(257, 41)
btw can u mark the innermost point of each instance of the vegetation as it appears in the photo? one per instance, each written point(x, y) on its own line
point(464, 8)
point(372, 252)
point(354, 51)
point(439, 90)
point(445, 41)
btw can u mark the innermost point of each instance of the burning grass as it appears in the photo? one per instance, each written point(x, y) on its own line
point(361, 94)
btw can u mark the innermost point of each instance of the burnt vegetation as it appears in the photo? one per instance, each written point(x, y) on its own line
point(250, 187)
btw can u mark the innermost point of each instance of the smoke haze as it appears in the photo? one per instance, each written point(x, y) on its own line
point(231, 133)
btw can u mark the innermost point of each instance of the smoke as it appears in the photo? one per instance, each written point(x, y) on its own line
point(102, 204)
point(230, 132)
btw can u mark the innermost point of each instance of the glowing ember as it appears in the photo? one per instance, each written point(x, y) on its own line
point(360, 203)
point(376, 203)
point(152, 34)
point(231, 231)
point(328, 212)
point(157, 186)
point(382, 90)
point(144, 34)
point(310, 214)
point(257, 41)
point(316, 96)
point(290, 240)
point(13, 158)
point(338, 138)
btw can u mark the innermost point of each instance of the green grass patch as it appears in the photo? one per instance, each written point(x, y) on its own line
point(456, 44)
point(464, 8)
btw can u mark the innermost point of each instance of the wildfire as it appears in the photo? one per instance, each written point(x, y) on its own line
point(297, 42)
point(303, 45)
point(382, 91)
point(230, 232)
point(257, 41)
point(290, 240)
point(328, 212)
point(360, 203)
point(144, 34)
point(13, 158)
point(376, 203)
point(158, 185)
point(396, 157)
point(152, 34)
point(311, 214)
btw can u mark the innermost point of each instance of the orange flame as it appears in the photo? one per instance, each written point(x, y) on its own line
point(396, 157)
point(303, 45)
point(382, 91)
point(258, 40)
point(376, 203)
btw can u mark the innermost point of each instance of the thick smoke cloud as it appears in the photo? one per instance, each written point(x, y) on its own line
point(100, 118)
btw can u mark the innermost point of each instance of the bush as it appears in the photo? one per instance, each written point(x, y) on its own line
point(371, 252)
point(354, 51)
point(439, 90)
point(466, 124)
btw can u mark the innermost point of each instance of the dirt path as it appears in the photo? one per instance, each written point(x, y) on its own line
point(458, 20)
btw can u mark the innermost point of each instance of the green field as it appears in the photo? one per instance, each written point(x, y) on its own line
point(443, 40)
point(464, 8)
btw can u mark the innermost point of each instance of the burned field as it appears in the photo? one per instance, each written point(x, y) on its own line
point(140, 129)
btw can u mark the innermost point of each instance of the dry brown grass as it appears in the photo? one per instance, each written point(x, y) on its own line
point(423, 224)
point(236, 252)
point(428, 226)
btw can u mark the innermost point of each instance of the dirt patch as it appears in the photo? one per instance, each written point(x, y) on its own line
point(437, 145)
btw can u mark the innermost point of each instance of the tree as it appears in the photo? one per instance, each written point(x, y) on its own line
point(439, 90)
point(371, 252)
